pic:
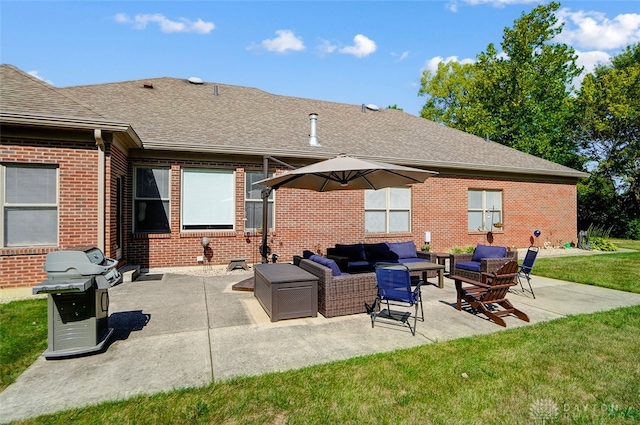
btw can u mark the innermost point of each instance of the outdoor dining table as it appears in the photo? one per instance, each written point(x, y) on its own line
point(424, 267)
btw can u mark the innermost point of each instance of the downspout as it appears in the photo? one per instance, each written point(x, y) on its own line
point(97, 134)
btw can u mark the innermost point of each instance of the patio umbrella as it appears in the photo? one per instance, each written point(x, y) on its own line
point(341, 173)
point(348, 173)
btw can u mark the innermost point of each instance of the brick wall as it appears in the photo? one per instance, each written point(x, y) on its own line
point(77, 207)
point(306, 219)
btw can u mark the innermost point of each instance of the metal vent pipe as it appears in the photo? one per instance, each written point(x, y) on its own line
point(313, 136)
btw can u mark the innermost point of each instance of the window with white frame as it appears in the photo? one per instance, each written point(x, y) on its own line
point(484, 210)
point(29, 205)
point(387, 210)
point(151, 199)
point(208, 199)
point(253, 201)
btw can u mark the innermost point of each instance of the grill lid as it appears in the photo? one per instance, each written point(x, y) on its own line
point(77, 262)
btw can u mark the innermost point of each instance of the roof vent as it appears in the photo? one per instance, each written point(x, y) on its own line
point(372, 107)
point(215, 90)
point(147, 85)
point(195, 80)
point(313, 137)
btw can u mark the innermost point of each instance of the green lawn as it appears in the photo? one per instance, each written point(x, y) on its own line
point(615, 271)
point(578, 370)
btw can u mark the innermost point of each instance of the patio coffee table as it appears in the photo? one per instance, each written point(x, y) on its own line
point(424, 266)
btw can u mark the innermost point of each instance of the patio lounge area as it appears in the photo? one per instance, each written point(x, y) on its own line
point(176, 330)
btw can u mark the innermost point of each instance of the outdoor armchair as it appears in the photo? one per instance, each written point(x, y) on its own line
point(489, 294)
point(484, 259)
point(341, 295)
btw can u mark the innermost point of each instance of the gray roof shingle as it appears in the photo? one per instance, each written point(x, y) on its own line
point(21, 93)
point(180, 116)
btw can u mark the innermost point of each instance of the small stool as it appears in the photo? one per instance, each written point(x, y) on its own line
point(235, 263)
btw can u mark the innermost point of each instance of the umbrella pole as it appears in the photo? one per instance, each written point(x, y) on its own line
point(264, 248)
point(265, 212)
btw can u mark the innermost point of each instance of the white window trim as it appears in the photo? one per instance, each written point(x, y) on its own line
point(136, 198)
point(388, 211)
point(271, 201)
point(182, 199)
point(485, 209)
point(4, 204)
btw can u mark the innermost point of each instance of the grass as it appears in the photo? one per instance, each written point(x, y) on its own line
point(23, 337)
point(581, 370)
point(615, 271)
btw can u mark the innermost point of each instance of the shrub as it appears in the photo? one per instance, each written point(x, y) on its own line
point(601, 244)
point(633, 230)
point(598, 231)
point(467, 249)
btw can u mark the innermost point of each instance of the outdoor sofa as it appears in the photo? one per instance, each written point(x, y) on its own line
point(484, 259)
point(362, 257)
point(340, 294)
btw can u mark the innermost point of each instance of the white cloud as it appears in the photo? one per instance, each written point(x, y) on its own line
point(166, 25)
point(325, 47)
point(589, 61)
point(452, 5)
point(37, 75)
point(285, 41)
point(362, 46)
point(432, 64)
point(403, 56)
point(593, 30)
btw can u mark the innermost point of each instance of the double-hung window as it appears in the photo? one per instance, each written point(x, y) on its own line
point(484, 210)
point(29, 205)
point(387, 210)
point(208, 199)
point(253, 201)
point(151, 200)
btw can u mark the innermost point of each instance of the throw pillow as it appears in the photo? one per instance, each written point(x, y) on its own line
point(403, 249)
point(327, 262)
point(354, 252)
point(378, 252)
point(488, 251)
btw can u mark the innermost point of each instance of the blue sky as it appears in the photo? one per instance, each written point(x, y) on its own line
point(341, 51)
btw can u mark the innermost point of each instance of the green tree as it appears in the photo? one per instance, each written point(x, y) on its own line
point(520, 98)
point(608, 107)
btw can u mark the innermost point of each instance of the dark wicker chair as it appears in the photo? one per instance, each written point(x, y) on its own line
point(342, 295)
point(487, 265)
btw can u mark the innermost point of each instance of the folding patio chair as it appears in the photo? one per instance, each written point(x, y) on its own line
point(524, 270)
point(395, 287)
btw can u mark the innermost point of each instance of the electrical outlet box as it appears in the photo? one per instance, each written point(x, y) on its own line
point(200, 259)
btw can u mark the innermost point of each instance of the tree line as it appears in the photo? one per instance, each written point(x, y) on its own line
point(526, 97)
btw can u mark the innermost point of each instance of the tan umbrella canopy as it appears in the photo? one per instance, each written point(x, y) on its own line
point(340, 173)
point(348, 173)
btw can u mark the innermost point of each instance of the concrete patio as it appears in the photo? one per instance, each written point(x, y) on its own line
point(176, 331)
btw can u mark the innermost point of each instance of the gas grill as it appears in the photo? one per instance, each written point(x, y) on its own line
point(77, 283)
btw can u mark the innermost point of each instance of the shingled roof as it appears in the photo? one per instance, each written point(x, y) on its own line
point(26, 100)
point(176, 115)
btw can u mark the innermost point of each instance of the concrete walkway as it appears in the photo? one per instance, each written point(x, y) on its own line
point(175, 331)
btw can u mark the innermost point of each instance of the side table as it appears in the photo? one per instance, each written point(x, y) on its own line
point(442, 257)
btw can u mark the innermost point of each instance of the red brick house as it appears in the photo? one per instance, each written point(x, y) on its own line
point(145, 169)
